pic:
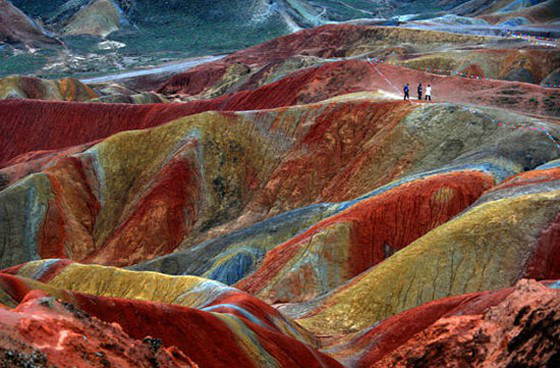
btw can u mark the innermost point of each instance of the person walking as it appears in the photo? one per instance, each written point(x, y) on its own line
point(429, 93)
point(406, 91)
point(420, 92)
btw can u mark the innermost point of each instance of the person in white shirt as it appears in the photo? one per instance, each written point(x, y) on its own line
point(429, 93)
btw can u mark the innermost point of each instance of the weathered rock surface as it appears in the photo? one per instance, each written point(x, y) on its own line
point(508, 234)
point(230, 328)
point(522, 330)
point(43, 332)
point(17, 28)
point(332, 41)
point(67, 89)
point(84, 204)
point(386, 233)
point(73, 124)
point(342, 246)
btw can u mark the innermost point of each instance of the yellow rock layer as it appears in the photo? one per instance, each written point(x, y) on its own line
point(483, 249)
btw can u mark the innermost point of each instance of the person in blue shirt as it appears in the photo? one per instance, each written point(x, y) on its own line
point(406, 90)
point(420, 91)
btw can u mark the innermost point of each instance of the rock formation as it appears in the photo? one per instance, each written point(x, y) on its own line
point(16, 28)
point(67, 89)
point(520, 330)
point(283, 206)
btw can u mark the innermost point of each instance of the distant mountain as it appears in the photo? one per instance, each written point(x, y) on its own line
point(17, 28)
point(147, 32)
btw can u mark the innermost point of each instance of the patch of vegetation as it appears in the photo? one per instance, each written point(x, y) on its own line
point(551, 106)
point(419, 7)
point(549, 102)
point(190, 36)
point(83, 44)
point(39, 8)
point(506, 101)
point(22, 63)
point(511, 92)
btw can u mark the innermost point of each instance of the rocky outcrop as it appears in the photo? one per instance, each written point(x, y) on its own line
point(535, 12)
point(332, 41)
point(289, 209)
point(138, 98)
point(229, 185)
point(72, 90)
point(229, 328)
point(67, 89)
point(89, 207)
point(525, 65)
point(521, 330)
point(63, 279)
point(342, 246)
point(43, 332)
point(492, 245)
point(84, 123)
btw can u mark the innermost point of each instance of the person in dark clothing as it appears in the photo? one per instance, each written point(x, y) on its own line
point(420, 91)
point(406, 90)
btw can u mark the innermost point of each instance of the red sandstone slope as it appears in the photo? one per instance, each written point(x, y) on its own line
point(40, 125)
point(37, 125)
point(522, 330)
point(157, 221)
point(56, 125)
point(226, 336)
point(42, 332)
point(486, 329)
point(377, 228)
point(330, 41)
point(371, 346)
